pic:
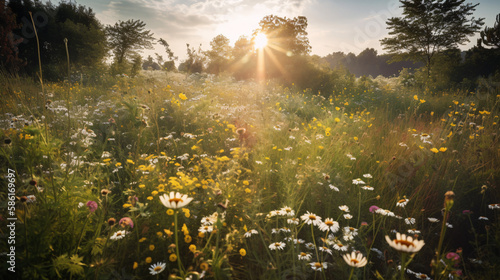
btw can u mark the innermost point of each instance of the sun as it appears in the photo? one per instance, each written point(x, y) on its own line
point(260, 41)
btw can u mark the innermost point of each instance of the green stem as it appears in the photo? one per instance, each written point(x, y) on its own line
point(81, 233)
point(179, 263)
point(403, 266)
point(352, 272)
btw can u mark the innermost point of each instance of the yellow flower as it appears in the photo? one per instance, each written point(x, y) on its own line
point(149, 198)
point(188, 238)
point(355, 138)
point(182, 96)
point(422, 101)
point(243, 252)
point(127, 205)
point(337, 120)
point(149, 260)
point(185, 229)
point(106, 160)
point(204, 266)
point(130, 161)
point(247, 190)
point(415, 97)
point(201, 234)
point(192, 248)
point(151, 247)
point(142, 239)
point(246, 183)
point(168, 232)
point(135, 265)
point(159, 234)
point(434, 150)
point(118, 164)
point(142, 186)
point(170, 212)
point(443, 149)
point(172, 258)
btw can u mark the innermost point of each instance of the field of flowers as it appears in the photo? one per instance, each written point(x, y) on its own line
point(168, 176)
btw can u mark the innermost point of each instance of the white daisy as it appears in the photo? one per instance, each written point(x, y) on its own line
point(157, 268)
point(405, 243)
point(277, 246)
point(305, 256)
point(344, 208)
point(355, 260)
point(330, 225)
point(175, 200)
point(118, 235)
point(318, 266)
point(310, 218)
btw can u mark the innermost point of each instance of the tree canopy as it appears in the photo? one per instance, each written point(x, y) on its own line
point(428, 27)
point(126, 38)
point(490, 36)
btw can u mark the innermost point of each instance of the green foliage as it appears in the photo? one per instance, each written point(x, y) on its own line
point(490, 36)
point(219, 55)
point(429, 27)
point(126, 39)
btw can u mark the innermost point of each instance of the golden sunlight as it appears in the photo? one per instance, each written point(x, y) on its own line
point(260, 41)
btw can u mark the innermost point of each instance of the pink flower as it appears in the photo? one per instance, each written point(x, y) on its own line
point(373, 208)
point(126, 221)
point(92, 205)
point(453, 256)
point(466, 212)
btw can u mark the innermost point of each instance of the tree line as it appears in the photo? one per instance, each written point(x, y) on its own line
point(424, 40)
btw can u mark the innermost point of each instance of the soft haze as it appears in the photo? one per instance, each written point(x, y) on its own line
point(333, 25)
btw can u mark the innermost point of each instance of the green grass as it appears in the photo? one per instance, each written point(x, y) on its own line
point(246, 149)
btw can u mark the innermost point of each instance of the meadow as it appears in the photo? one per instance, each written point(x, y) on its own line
point(176, 176)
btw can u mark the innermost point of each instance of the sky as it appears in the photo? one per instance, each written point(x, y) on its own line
point(333, 25)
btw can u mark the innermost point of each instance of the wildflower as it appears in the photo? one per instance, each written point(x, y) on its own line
point(433, 220)
point(172, 257)
point(118, 235)
point(494, 206)
point(92, 205)
point(367, 175)
point(288, 211)
point(243, 252)
point(126, 221)
point(149, 260)
point(402, 202)
point(309, 246)
point(340, 247)
point(305, 256)
point(192, 248)
point(318, 266)
point(204, 266)
point(355, 260)
point(414, 231)
point(358, 182)
point(250, 232)
point(330, 225)
point(170, 212)
point(325, 249)
point(136, 265)
point(333, 188)
point(347, 216)
point(294, 221)
point(434, 150)
point(344, 208)
point(443, 149)
point(405, 243)
point(206, 229)
point(277, 246)
point(310, 218)
point(483, 218)
point(157, 268)
point(188, 238)
point(175, 200)
point(111, 221)
point(373, 208)
point(410, 221)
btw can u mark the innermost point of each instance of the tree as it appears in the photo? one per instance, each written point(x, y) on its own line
point(194, 62)
point(428, 27)
point(127, 38)
point(76, 23)
point(9, 59)
point(170, 64)
point(219, 55)
point(288, 35)
point(490, 36)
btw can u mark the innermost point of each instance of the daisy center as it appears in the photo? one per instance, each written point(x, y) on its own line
point(312, 217)
point(175, 199)
point(317, 265)
point(405, 242)
point(402, 200)
point(354, 261)
point(329, 223)
point(277, 244)
point(158, 268)
point(303, 254)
